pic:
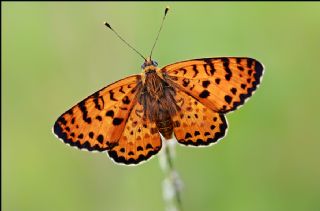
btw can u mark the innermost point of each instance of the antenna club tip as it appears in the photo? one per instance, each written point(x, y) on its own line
point(107, 24)
point(166, 10)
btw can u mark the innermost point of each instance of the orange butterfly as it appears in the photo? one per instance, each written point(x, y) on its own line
point(188, 99)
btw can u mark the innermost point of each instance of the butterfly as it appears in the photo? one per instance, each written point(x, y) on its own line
point(187, 100)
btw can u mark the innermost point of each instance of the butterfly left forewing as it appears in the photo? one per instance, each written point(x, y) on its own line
point(222, 84)
point(97, 122)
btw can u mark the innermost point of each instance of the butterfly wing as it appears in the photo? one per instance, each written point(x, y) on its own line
point(139, 140)
point(196, 124)
point(222, 84)
point(96, 123)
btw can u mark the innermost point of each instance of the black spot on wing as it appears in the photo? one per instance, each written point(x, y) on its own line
point(188, 135)
point(126, 100)
point(228, 99)
point(240, 68)
point(117, 121)
point(110, 113)
point(204, 94)
point(100, 138)
point(194, 68)
point(185, 82)
point(121, 90)
point(226, 68)
point(84, 112)
point(184, 71)
point(210, 64)
point(205, 83)
point(249, 62)
point(111, 93)
point(134, 90)
point(233, 90)
point(205, 67)
point(99, 118)
point(98, 101)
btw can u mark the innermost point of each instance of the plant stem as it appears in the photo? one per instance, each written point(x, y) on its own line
point(172, 184)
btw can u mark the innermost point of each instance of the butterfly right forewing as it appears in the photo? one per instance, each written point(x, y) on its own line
point(222, 84)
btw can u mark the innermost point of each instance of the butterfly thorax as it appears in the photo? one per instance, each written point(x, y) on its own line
point(157, 99)
point(152, 79)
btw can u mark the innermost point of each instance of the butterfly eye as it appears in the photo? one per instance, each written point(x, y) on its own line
point(143, 66)
point(154, 63)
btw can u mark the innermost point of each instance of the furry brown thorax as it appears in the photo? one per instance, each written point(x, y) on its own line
point(157, 98)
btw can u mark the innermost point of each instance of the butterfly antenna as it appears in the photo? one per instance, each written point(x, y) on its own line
point(108, 25)
point(165, 14)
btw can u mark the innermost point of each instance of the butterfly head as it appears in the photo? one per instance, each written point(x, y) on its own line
point(149, 63)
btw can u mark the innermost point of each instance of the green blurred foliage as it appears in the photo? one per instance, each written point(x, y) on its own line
point(55, 54)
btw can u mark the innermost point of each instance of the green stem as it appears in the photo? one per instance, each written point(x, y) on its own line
point(172, 184)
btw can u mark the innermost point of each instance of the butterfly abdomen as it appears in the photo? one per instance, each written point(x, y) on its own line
point(165, 127)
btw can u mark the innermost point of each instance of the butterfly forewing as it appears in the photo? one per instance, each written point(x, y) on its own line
point(139, 140)
point(222, 84)
point(96, 123)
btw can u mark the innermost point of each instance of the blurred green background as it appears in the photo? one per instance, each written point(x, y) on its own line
point(56, 54)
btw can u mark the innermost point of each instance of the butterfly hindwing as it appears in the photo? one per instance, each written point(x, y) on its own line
point(196, 124)
point(97, 122)
point(222, 84)
point(139, 141)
